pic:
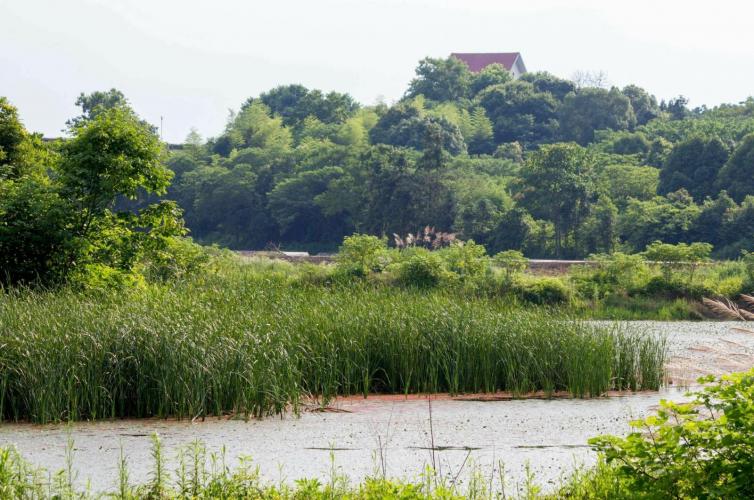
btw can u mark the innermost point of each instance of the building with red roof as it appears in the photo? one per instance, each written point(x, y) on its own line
point(477, 61)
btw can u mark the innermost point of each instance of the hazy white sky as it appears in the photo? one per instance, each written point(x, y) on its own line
point(190, 61)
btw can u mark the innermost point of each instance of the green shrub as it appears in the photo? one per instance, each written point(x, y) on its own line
point(512, 262)
point(614, 274)
point(674, 288)
point(670, 257)
point(468, 260)
point(542, 291)
point(177, 258)
point(700, 449)
point(423, 269)
point(361, 254)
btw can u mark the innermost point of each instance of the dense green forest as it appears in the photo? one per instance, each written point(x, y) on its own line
point(538, 164)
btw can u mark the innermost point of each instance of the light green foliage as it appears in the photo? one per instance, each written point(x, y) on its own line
point(625, 182)
point(512, 261)
point(361, 254)
point(468, 260)
point(542, 290)
point(666, 219)
point(700, 449)
point(615, 274)
point(670, 257)
point(253, 127)
point(113, 154)
point(423, 269)
point(680, 253)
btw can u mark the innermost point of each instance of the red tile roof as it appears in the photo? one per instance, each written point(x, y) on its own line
point(478, 61)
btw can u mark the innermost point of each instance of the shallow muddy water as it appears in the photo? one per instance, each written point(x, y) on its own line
point(363, 435)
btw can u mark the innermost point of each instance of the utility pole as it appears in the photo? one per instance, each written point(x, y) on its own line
point(160, 127)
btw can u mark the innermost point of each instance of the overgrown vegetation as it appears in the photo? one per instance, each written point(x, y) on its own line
point(663, 282)
point(255, 343)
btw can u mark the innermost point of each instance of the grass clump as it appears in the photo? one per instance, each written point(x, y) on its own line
point(250, 343)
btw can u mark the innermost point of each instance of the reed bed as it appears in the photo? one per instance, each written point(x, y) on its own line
point(256, 344)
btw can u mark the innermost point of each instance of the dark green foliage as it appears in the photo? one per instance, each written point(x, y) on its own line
point(643, 103)
point(301, 168)
point(493, 74)
point(405, 126)
point(631, 143)
point(294, 103)
point(737, 176)
point(549, 83)
point(293, 206)
point(57, 222)
point(542, 291)
point(440, 79)
point(660, 219)
point(519, 112)
point(693, 165)
point(95, 103)
point(33, 231)
point(591, 109)
point(12, 136)
point(423, 269)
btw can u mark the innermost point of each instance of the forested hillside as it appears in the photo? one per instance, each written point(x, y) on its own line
point(539, 164)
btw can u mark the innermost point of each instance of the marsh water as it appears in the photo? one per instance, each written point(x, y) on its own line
point(396, 436)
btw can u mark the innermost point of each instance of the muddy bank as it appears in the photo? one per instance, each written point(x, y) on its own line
point(393, 434)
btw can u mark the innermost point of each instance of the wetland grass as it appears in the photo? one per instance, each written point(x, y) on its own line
point(254, 344)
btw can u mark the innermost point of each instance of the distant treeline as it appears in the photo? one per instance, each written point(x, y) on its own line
point(538, 164)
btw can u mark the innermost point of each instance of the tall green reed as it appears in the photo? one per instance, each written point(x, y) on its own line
point(255, 344)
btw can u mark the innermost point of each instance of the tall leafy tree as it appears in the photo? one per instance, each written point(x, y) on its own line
point(440, 79)
point(95, 103)
point(558, 186)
